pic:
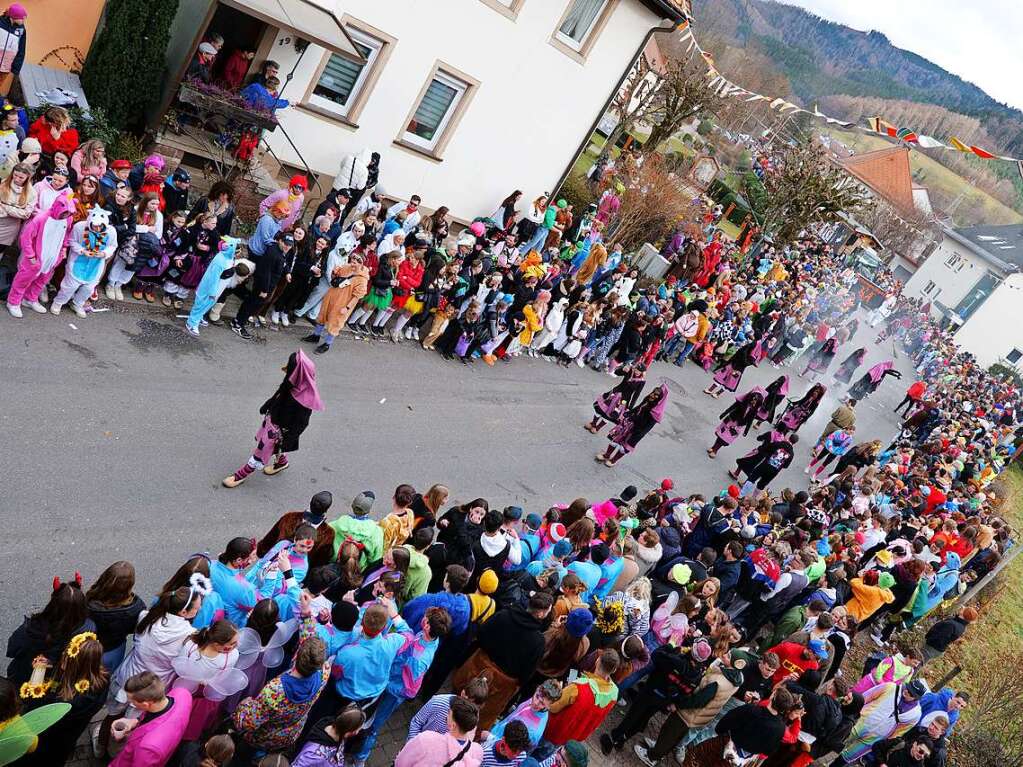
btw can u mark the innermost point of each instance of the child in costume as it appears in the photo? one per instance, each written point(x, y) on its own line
point(93, 243)
point(173, 240)
point(225, 271)
point(181, 278)
point(44, 242)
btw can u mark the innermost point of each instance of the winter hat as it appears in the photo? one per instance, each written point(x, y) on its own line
point(748, 532)
point(886, 580)
point(701, 650)
point(363, 503)
point(680, 574)
point(629, 493)
point(180, 174)
point(344, 615)
point(916, 688)
point(115, 165)
point(819, 648)
point(318, 506)
point(579, 622)
point(512, 513)
point(557, 531)
point(488, 582)
point(562, 549)
point(533, 521)
point(667, 484)
point(208, 48)
point(154, 161)
point(16, 11)
point(733, 490)
point(31, 146)
point(575, 753)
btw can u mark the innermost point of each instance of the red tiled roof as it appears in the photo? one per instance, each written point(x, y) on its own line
point(887, 172)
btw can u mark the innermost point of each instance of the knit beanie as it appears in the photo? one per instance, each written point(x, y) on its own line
point(562, 548)
point(577, 754)
point(579, 622)
point(17, 11)
point(488, 582)
point(362, 504)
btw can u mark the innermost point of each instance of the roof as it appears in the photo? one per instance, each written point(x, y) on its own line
point(887, 172)
point(306, 18)
point(1001, 245)
point(676, 10)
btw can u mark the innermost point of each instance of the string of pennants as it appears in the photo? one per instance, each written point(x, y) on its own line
point(724, 88)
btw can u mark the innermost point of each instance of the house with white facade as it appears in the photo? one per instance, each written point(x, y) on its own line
point(465, 100)
point(974, 282)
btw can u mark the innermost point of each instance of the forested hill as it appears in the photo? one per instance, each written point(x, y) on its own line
point(821, 58)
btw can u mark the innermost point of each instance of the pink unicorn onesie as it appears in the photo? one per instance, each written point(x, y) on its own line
point(154, 741)
point(44, 242)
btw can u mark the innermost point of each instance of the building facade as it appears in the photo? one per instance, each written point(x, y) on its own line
point(465, 100)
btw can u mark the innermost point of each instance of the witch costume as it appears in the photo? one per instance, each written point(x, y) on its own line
point(800, 411)
point(822, 358)
point(635, 423)
point(868, 383)
point(611, 405)
point(728, 374)
point(285, 417)
point(738, 416)
point(773, 397)
point(845, 371)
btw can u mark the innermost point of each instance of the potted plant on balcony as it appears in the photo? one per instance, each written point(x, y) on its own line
point(212, 100)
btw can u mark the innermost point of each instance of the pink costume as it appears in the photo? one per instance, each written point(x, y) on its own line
point(436, 748)
point(284, 195)
point(44, 241)
point(151, 744)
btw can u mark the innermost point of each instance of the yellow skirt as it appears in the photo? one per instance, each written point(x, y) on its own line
point(413, 305)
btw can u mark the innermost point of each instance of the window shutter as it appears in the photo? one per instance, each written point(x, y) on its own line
point(430, 113)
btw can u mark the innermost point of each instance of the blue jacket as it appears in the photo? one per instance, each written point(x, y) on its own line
point(266, 230)
point(457, 606)
point(364, 665)
point(258, 97)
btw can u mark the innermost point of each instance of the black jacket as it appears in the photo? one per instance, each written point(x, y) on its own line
point(115, 624)
point(944, 633)
point(754, 729)
point(270, 267)
point(513, 639)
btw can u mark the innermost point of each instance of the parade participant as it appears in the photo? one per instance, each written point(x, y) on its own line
point(454, 747)
point(44, 241)
point(762, 464)
point(635, 423)
point(611, 405)
point(285, 417)
point(798, 412)
point(773, 396)
point(152, 737)
point(845, 371)
point(741, 414)
point(871, 380)
point(359, 528)
point(890, 710)
point(823, 357)
point(729, 372)
point(326, 742)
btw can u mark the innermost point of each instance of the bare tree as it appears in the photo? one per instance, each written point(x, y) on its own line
point(804, 187)
point(633, 103)
point(683, 93)
point(651, 203)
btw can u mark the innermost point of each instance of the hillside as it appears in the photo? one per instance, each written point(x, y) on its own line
point(821, 58)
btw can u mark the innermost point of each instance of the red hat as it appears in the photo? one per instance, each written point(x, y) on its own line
point(667, 484)
point(16, 11)
point(298, 181)
point(733, 490)
point(557, 531)
point(120, 165)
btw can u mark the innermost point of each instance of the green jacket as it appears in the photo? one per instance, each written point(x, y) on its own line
point(418, 576)
point(363, 531)
point(789, 623)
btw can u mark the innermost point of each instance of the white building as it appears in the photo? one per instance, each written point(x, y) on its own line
point(973, 281)
point(465, 100)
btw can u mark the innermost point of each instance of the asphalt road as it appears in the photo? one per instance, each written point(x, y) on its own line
point(119, 428)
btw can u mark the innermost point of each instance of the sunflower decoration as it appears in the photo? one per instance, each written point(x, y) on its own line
point(610, 617)
point(75, 645)
point(82, 686)
point(36, 691)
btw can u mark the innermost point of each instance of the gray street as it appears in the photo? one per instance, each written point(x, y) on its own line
point(120, 427)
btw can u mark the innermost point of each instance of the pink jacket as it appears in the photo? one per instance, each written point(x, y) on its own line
point(433, 749)
point(152, 744)
point(35, 245)
point(282, 195)
point(98, 170)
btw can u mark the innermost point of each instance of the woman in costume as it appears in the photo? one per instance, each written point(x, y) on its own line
point(762, 464)
point(823, 357)
point(348, 284)
point(728, 374)
point(800, 411)
point(610, 405)
point(869, 382)
point(739, 415)
point(845, 371)
point(285, 417)
point(635, 424)
point(773, 397)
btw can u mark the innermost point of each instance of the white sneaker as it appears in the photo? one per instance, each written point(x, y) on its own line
point(119, 293)
point(284, 319)
point(36, 307)
point(15, 311)
point(55, 308)
point(680, 754)
point(80, 311)
point(109, 292)
point(275, 318)
point(641, 754)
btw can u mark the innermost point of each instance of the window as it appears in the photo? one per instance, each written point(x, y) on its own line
point(435, 109)
point(929, 287)
point(342, 79)
point(579, 22)
point(508, 8)
point(953, 260)
point(1014, 356)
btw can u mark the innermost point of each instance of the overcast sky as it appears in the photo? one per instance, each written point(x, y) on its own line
point(981, 41)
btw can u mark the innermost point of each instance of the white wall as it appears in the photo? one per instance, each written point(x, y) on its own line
point(951, 283)
point(994, 329)
point(532, 108)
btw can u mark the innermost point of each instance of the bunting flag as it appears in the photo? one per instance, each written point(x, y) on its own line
point(724, 88)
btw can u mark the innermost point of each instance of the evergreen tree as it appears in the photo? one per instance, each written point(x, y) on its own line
point(125, 68)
